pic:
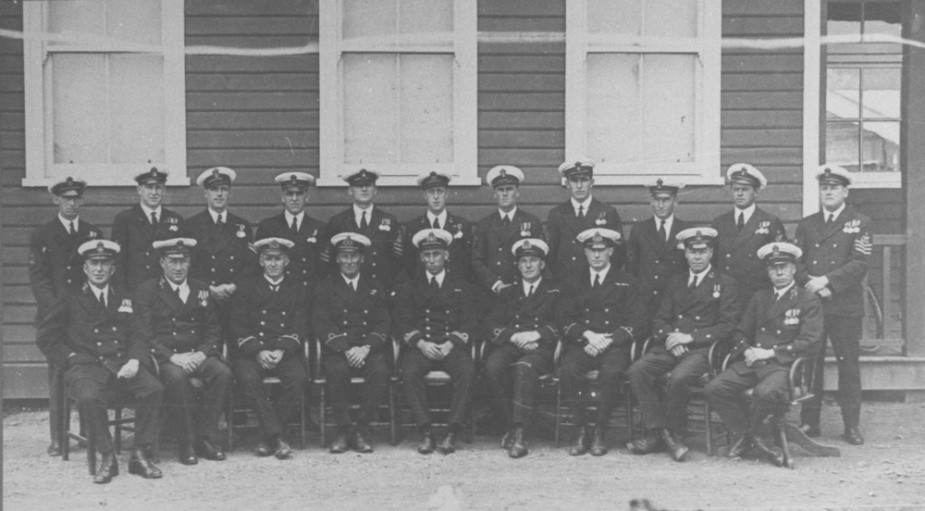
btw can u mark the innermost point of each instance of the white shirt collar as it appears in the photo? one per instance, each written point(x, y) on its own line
point(510, 214)
point(215, 214)
point(603, 273)
point(354, 282)
point(358, 213)
point(148, 212)
point(835, 214)
point(586, 204)
point(97, 291)
point(441, 217)
point(67, 223)
point(779, 293)
point(699, 276)
point(299, 218)
point(535, 285)
point(749, 211)
point(174, 287)
point(271, 282)
point(440, 276)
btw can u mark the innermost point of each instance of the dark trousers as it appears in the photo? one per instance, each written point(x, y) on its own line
point(293, 382)
point(458, 364)
point(55, 400)
point(192, 418)
point(844, 333)
point(94, 392)
point(513, 377)
point(663, 402)
point(725, 393)
point(611, 364)
point(375, 371)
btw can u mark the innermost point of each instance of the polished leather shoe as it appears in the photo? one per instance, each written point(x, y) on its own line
point(140, 464)
point(772, 454)
point(188, 454)
point(650, 443)
point(598, 446)
point(448, 444)
point(853, 436)
point(427, 443)
point(583, 444)
point(518, 448)
point(360, 444)
point(739, 447)
point(109, 468)
point(339, 445)
point(263, 449)
point(208, 450)
point(282, 450)
point(54, 449)
point(810, 431)
point(675, 446)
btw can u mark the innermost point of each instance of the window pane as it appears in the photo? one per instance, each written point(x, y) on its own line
point(80, 112)
point(883, 18)
point(426, 108)
point(83, 16)
point(134, 20)
point(137, 105)
point(364, 18)
point(671, 18)
point(615, 16)
point(370, 108)
point(841, 144)
point(881, 93)
point(613, 110)
point(668, 101)
point(421, 16)
point(843, 18)
point(880, 147)
point(842, 97)
point(663, 18)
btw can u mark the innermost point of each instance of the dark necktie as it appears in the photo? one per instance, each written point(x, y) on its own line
point(353, 286)
point(154, 220)
point(179, 295)
point(434, 284)
point(505, 220)
point(661, 233)
point(295, 226)
point(530, 291)
point(219, 221)
point(436, 224)
point(363, 224)
point(597, 280)
point(581, 211)
point(828, 220)
point(740, 224)
point(72, 231)
point(693, 283)
point(102, 299)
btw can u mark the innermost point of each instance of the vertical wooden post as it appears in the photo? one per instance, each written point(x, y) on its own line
point(913, 132)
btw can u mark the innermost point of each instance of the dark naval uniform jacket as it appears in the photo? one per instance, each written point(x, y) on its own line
point(708, 312)
point(566, 255)
point(222, 255)
point(736, 252)
point(80, 332)
point(168, 325)
point(492, 259)
point(132, 230)
point(791, 326)
point(614, 307)
point(654, 261)
point(264, 319)
point(54, 264)
point(305, 265)
point(840, 252)
point(382, 259)
point(344, 318)
point(460, 260)
point(436, 315)
point(540, 312)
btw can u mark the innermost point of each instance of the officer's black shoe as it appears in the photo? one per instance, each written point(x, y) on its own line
point(448, 444)
point(652, 442)
point(598, 446)
point(853, 436)
point(282, 450)
point(810, 431)
point(188, 453)
point(152, 454)
point(54, 449)
point(772, 454)
point(339, 445)
point(360, 444)
point(583, 444)
point(677, 448)
point(109, 468)
point(208, 450)
point(262, 450)
point(518, 447)
point(739, 447)
point(427, 443)
point(140, 464)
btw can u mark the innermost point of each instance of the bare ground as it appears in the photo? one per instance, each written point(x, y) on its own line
point(887, 472)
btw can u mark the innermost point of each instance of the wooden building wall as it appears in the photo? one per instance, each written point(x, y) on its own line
point(259, 115)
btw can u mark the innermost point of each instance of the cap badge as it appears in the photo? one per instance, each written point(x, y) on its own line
point(274, 244)
point(99, 247)
point(69, 181)
point(776, 250)
point(527, 245)
point(293, 179)
point(503, 173)
point(348, 242)
point(659, 182)
point(215, 173)
point(597, 237)
point(153, 172)
point(431, 238)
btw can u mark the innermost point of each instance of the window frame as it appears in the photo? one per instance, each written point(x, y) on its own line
point(463, 47)
point(706, 169)
point(41, 170)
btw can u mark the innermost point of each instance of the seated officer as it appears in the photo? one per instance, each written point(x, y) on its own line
point(176, 317)
point(87, 332)
point(524, 328)
point(780, 325)
point(269, 324)
point(435, 313)
point(602, 315)
point(700, 306)
point(351, 318)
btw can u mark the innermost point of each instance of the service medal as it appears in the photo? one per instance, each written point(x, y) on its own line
point(240, 232)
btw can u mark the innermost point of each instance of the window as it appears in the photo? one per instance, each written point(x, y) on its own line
point(104, 85)
point(643, 88)
point(398, 89)
point(863, 91)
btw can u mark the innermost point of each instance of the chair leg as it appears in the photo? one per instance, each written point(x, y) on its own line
point(392, 426)
point(470, 425)
point(782, 442)
point(303, 418)
point(708, 425)
point(322, 409)
point(91, 455)
point(558, 412)
point(118, 440)
point(628, 397)
point(229, 420)
point(64, 427)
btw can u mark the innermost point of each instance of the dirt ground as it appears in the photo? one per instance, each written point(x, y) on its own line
point(887, 472)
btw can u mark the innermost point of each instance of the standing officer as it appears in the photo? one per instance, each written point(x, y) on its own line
point(270, 323)
point(494, 264)
point(296, 226)
point(436, 314)
point(779, 326)
point(700, 307)
point(222, 254)
point(524, 331)
point(351, 316)
point(54, 267)
point(136, 228)
point(604, 312)
point(652, 256)
point(582, 212)
point(87, 332)
point(382, 262)
point(176, 318)
point(744, 230)
point(836, 245)
point(436, 185)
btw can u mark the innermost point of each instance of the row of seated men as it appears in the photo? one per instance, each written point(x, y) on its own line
point(606, 315)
